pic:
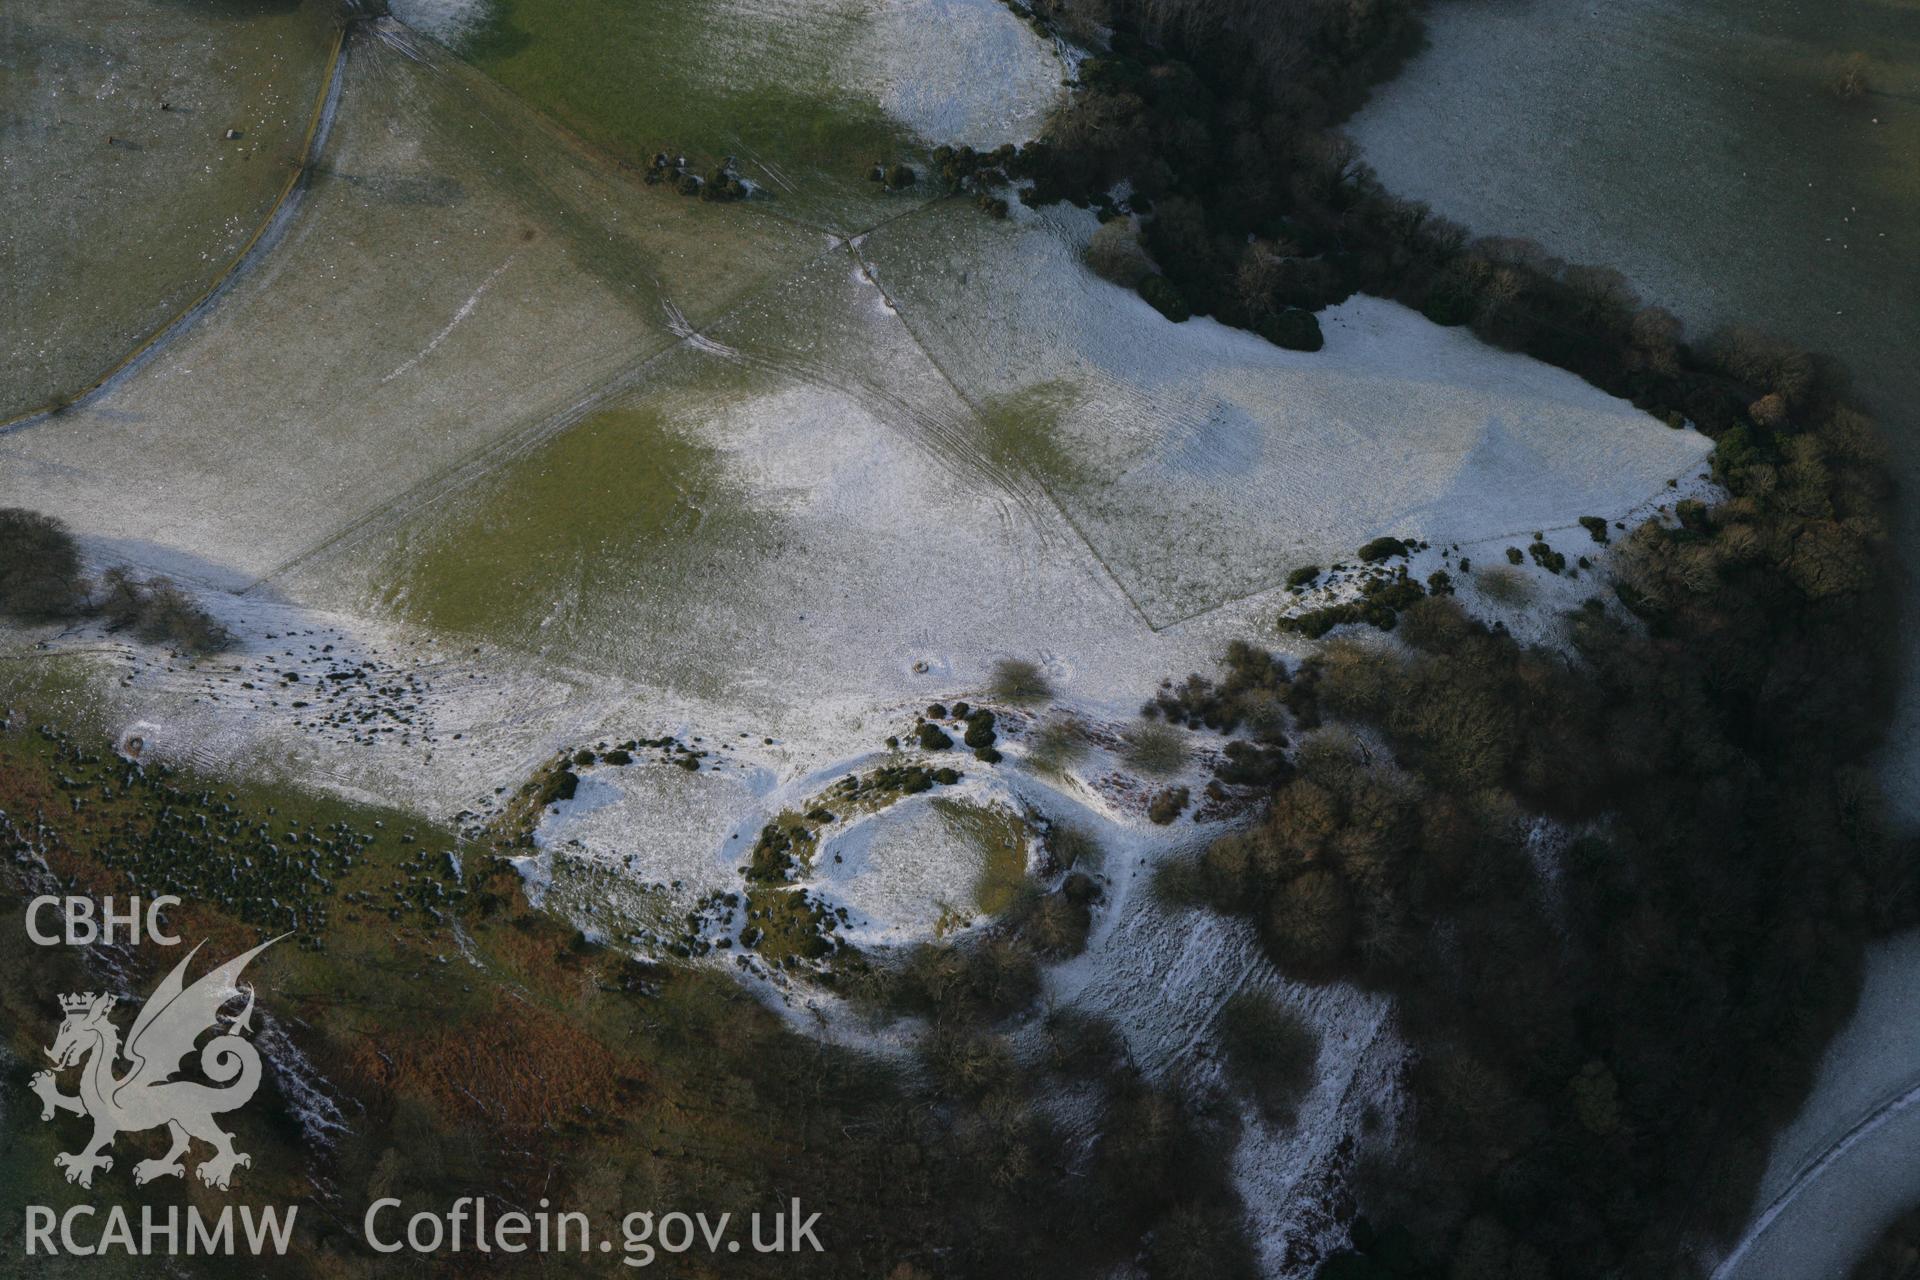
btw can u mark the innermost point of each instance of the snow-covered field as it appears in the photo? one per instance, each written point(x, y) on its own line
point(954, 71)
point(1202, 462)
point(1693, 145)
point(495, 451)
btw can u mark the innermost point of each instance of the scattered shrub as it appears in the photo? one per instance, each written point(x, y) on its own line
point(1503, 585)
point(1382, 549)
point(933, 738)
point(1156, 749)
point(1305, 576)
point(1071, 846)
point(1057, 745)
point(1020, 682)
point(1167, 804)
point(1547, 558)
point(980, 729)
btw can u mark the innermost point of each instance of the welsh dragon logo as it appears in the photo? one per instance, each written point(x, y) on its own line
point(164, 1035)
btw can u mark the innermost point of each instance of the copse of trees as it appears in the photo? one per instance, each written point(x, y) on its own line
point(1219, 115)
point(1603, 1048)
point(1623, 891)
point(42, 580)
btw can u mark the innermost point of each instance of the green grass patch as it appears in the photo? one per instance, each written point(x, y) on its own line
point(1023, 431)
point(999, 838)
point(623, 504)
point(676, 76)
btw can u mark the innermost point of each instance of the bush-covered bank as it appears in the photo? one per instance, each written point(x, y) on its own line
point(475, 1045)
point(42, 580)
point(1622, 891)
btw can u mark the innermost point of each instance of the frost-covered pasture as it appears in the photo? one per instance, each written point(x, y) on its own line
point(806, 95)
point(121, 197)
point(487, 389)
point(456, 276)
point(1202, 462)
point(629, 456)
point(509, 453)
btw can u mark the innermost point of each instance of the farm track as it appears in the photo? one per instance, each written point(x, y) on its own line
point(284, 207)
point(1024, 498)
point(1814, 1169)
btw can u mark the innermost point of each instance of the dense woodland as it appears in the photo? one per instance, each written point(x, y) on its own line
point(1602, 1049)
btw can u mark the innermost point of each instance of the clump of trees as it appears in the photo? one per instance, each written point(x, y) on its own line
point(1599, 1061)
point(40, 571)
point(42, 579)
point(1601, 1055)
point(158, 612)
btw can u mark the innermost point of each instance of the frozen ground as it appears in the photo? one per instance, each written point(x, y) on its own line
point(580, 459)
point(956, 71)
point(1693, 145)
point(496, 451)
point(1202, 462)
point(806, 94)
point(121, 198)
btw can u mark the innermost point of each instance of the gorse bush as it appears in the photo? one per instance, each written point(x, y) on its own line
point(1019, 681)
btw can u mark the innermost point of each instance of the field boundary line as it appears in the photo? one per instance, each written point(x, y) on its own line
point(1039, 482)
point(515, 441)
point(302, 164)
